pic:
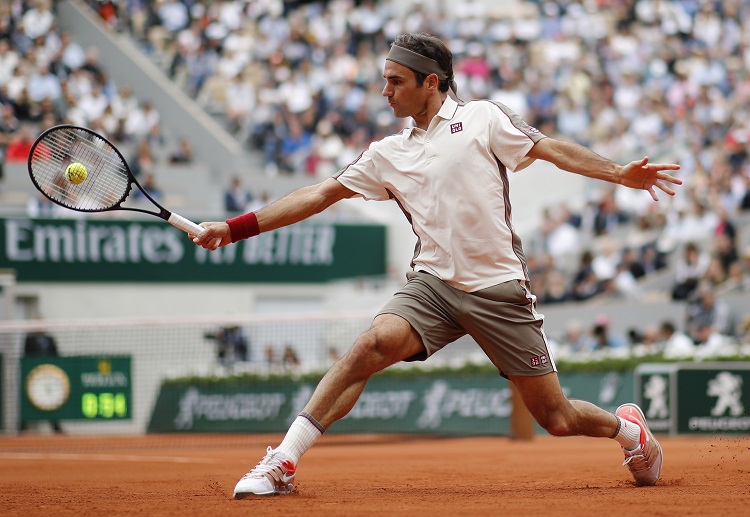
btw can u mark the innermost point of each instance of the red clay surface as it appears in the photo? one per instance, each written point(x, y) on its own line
point(195, 475)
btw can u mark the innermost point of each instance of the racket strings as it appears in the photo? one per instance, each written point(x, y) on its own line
point(106, 184)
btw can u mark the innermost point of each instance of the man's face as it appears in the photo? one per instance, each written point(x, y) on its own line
point(404, 96)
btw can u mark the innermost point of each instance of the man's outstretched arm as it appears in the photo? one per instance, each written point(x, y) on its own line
point(639, 174)
point(292, 208)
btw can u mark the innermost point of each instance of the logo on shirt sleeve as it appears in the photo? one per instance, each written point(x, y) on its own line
point(455, 128)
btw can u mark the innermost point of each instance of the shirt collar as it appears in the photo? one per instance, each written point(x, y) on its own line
point(447, 111)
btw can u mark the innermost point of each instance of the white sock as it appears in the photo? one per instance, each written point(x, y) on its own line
point(628, 435)
point(302, 434)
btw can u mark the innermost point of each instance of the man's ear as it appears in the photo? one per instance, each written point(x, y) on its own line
point(433, 82)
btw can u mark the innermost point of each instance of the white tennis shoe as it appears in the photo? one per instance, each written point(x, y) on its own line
point(272, 476)
point(645, 460)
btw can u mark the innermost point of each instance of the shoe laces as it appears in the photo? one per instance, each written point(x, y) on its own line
point(635, 460)
point(270, 461)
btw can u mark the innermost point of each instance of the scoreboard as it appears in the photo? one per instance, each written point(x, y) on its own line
point(76, 388)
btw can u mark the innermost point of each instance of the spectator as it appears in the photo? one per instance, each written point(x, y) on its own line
point(140, 121)
point(602, 337)
point(290, 359)
point(296, 147)
point(38, 20)
point(689, 270)
point(150, 187)
point(585, 283)
point(9, 60)
point(675, 344)
point(271, 360)
point(144, 162)
point(184, 152)
point(240, 102)
point(575, 339)
point(9, 125)
point(237, 198)
point(19, 145)
point(43, 84)
point(706, 315)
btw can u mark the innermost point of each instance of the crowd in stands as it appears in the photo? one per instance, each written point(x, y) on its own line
point(47, 78)
point(300, 82)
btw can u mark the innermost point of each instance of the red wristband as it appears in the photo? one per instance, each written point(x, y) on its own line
point(243, 226)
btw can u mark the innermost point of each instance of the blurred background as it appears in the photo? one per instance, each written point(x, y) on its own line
point(222, 106)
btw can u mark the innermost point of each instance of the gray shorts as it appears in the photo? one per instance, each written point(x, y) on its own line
point(502, 319)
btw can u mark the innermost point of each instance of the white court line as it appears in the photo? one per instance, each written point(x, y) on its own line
point(101, 457)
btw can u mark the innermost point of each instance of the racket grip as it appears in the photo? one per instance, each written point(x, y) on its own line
point(186, 225)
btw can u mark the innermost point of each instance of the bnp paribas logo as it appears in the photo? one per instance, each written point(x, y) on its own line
point(727, 388)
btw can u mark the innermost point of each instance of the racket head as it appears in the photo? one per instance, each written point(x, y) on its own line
point(109, 179)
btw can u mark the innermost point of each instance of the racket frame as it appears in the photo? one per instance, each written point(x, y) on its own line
point(175, 220)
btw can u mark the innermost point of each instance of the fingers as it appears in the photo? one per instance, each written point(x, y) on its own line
point(665, 188)
point(669, 178)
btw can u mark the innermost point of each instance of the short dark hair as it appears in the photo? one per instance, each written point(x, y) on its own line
point(432, 47)
point(668, 327)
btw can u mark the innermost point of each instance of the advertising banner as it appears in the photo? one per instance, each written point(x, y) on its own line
point(695, 398)
point(110, 250)
point(653, 385)
point(422, 403)
point(713, 398)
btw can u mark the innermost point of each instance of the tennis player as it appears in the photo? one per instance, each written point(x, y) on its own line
point(449, 175)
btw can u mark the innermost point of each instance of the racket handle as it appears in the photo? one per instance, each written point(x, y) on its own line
point(186, 225)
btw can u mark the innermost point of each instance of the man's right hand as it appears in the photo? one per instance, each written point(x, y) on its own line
point(217, 234)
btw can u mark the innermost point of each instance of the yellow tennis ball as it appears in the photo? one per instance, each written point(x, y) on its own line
point(76, 173)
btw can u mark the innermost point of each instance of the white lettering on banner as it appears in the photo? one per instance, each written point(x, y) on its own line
point(54, 244)
point(304, 245)
point(18, 239)
point(383, 405)
point(100, 380)
point(441, 402)
point(706, 423)
point(26, 241)
point(114, 248)
point(215, 408)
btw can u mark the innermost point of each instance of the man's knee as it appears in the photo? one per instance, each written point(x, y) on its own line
point(368, 354)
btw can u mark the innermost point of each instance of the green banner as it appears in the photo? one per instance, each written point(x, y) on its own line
point(422, 403)
point(713, 398)
point(107, 250)
point(76, 388)
point(653, 388)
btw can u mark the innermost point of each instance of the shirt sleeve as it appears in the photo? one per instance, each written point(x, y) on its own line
point(362, 176)
point(511, 138)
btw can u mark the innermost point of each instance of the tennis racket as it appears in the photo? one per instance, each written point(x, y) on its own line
point(108, 182)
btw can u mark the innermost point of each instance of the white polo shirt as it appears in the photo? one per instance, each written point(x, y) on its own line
point(451, 183)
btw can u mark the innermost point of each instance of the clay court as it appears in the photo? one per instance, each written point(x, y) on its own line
point(194, 476)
